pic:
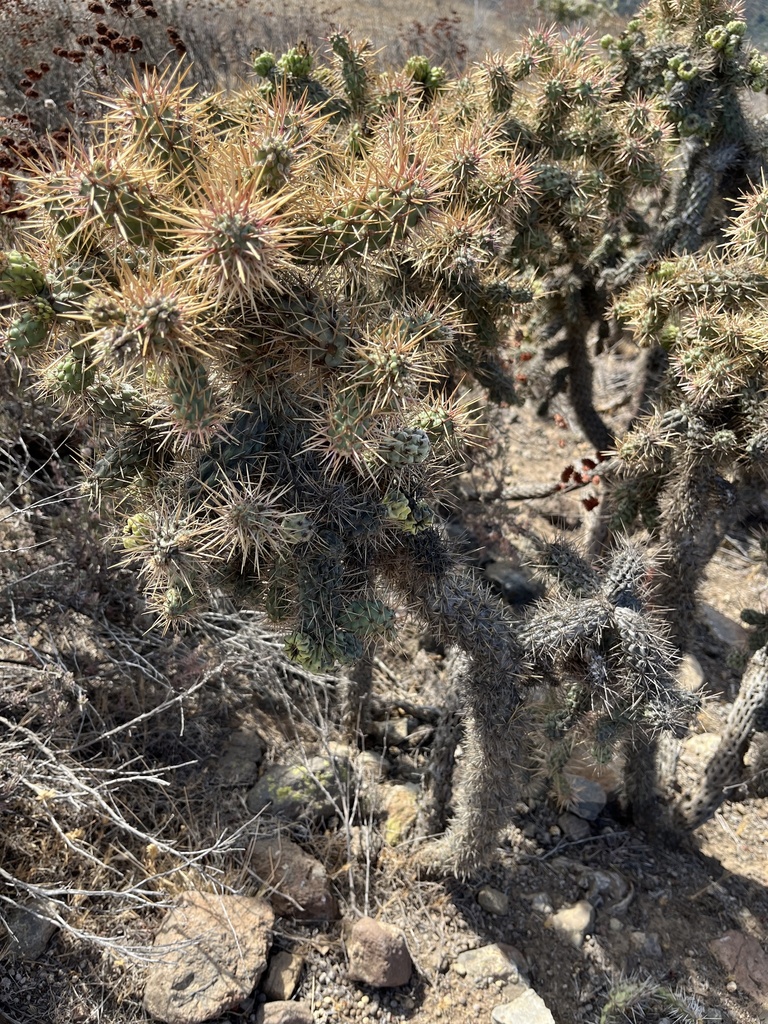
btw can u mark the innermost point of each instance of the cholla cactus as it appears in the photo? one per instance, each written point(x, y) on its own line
point(606, 652)
point(274, 305)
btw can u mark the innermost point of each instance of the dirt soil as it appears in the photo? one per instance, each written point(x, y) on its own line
point(80, 672)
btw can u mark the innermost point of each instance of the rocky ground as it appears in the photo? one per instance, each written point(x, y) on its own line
point(195, 793)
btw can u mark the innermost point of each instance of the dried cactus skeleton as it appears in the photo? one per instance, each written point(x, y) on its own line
point(276, 306)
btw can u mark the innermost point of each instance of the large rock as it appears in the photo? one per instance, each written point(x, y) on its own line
point(378, 954)
point(240, 758)
point(572, 923)
point(29, 929)
point(401, 804)
point(217, 952)
point(312, 790)
point(493, 901)
point(587, 798)
point(284, 1012)
point(283, 975)
point(528, 1008)
point(301, 889)
point(743, 958)
point(495, 963)
point(727, 630)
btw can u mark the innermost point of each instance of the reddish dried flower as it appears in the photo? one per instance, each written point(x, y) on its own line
point(61, 135)
point(98, 50)
point(45, 67)
point(136, 44)
point(567, 473)
point(150, 12)
point(25, 84)
point(59, 51)
point(32, 93)
point(590, 503)
point(120, 45)
point(104, 41)
point(112, 33)
point(102, 28)
point(84, 40)
point(96, 8)
point(588, 463)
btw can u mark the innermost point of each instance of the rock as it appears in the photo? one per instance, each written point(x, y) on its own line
point(401, 803)
point(283, 975)
point(497, 962)
point(393, 732)
point(515, 587)
point(378, 954)
point(284, 1012)
point(572, 923)
point(574, 827)
point(372, 767)
point(690, 674)
point(542, 904)
point(312, 790)
point(646, 943)
point(528, 1008)
point(587, 797)
point(240, 759)
point(302, 889)
point(493, 901)
point(221, 952)
point(727, 630)
point(606, 887)
point(29, 929)
point(743, 958)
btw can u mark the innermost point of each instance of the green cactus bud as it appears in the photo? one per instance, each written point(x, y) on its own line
point(297, 61)
point(367, 619)
point(176, 603)
point(418, 68)
point(31, 329)
point(263, 63)
point(20, 276)
point(305, 651)
point(296, 528)
point(397, 506)
point(686, 71)
point(272, 160)
point(717, 37)
point(344, 647)
point(74, 373)
point(408, 447)
point(736, 28)
point(137, 531)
